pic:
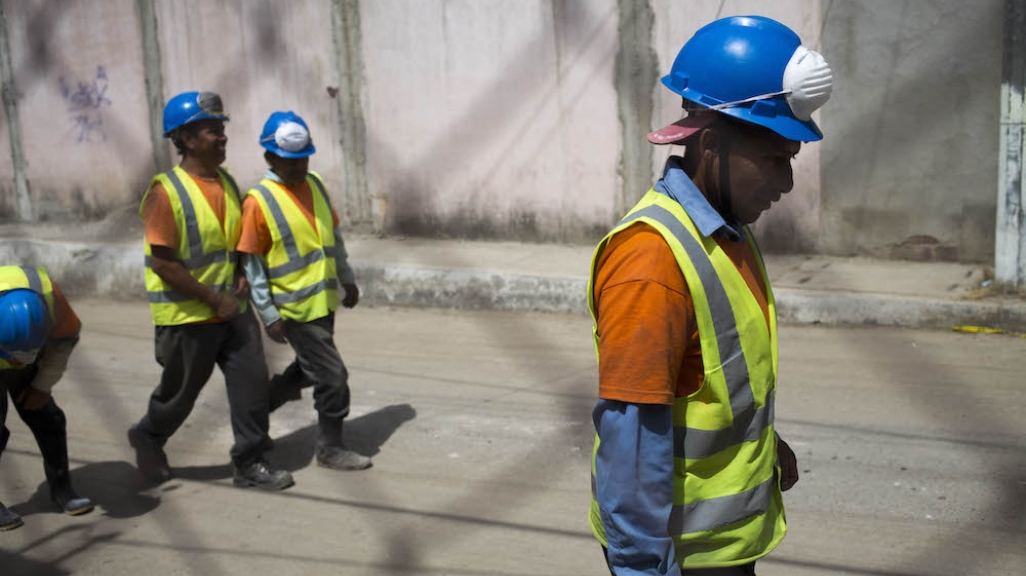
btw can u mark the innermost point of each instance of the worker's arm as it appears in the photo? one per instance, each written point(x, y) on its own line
point(642, 327)
point(634, 486)
point(170, 270)
point(259, 288)
point(53, 358)
point(344, 271)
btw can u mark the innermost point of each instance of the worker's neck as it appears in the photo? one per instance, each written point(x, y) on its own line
point(197, 167)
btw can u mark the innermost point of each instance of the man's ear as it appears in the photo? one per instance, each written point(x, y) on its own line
point(709, 142)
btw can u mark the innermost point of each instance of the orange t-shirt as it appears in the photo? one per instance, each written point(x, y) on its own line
point(649, 350)
point(256, 235)
point(65, 321)
point(159, 218)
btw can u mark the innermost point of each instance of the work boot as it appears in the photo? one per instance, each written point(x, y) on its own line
point(69, 502)
point(261, 475)
point(341, 458)
point(9, 520)
point(149, 457)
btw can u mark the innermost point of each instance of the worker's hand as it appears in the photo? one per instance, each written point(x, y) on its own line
point(32, 399)
point(241, 288)
point(788, 465)
point(276, 332)
point(227, 307)
point(352, 295)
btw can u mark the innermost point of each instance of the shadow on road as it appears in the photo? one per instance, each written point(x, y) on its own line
point(115, 488)
point(294, 451)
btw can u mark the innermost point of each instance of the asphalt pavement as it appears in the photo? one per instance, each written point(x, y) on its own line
point(911, 446)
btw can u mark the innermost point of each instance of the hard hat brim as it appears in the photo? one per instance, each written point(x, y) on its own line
point(681, 129)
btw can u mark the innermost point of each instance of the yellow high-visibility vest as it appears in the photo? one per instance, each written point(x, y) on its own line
point(301, 263)
point(205, 248)
point(34, 279)
point(727, 505)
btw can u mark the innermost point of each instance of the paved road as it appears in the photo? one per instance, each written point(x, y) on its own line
point(912, 446)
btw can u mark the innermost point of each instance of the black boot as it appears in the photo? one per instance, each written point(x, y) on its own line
point(9, 520)
point(49, 430)
point(149, 456)
point(61, 491)
point(64, 496)
point(331, 452)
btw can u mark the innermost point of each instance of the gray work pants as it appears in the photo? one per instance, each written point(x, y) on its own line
point(188, 355)
point(317, 363)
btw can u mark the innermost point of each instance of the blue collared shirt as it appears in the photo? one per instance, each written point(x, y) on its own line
point(634, 463)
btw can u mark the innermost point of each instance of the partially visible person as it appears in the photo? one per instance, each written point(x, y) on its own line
point(38, 331)
point(295, 259)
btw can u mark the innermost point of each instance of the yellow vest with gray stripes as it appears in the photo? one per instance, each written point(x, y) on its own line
point(301, 263)
point(205, 248)
point(34, 279)
point(727, 506)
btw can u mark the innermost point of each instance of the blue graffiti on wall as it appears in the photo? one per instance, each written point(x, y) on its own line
point(85, 103)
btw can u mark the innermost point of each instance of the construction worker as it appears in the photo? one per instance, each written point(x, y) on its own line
point(38, 331)
point(688, 469)
point(295, 258)
point(192, 219)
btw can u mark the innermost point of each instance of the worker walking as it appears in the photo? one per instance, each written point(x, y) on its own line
point(295, 259)
point(688, 468)
point(192, 220)
point(38, 331)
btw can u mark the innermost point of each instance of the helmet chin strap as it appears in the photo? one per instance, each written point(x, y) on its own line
point(726, 210)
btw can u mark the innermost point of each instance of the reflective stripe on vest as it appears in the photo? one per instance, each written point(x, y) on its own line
point(727, 506)
point(212, 263)
point(294, 296)
point(748, 422)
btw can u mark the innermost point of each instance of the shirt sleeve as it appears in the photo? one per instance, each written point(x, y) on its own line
point(634, 486)
point(642, 318)
point(260, 288)
point(256, 235)
point(66, 323)
point(60, 342)
point(158, 218)
point(342, 268)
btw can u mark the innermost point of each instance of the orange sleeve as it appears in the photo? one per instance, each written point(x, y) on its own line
point(66, 322)
point(159, 219)
point(642, 307)
point(334, 219)
point(256, 236)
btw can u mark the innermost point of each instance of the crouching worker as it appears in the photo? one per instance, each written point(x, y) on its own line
point(38, 331)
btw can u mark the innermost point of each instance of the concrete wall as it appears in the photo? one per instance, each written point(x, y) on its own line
point(910, 162)
point(509, 119)
point(81, 103)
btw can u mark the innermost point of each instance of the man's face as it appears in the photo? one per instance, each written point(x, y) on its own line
point(206, 141)
point(760, 172)
point(292, 171)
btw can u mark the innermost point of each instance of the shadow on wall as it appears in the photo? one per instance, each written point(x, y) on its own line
point(87, 99)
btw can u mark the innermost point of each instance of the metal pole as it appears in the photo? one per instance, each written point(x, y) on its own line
point(1010, 233)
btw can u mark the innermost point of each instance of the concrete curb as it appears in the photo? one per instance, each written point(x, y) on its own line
point(114, 271)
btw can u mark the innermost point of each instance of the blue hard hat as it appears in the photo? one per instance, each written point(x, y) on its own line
point(24, 320)
point(287, 135)
point(192, 106)
point(756, 70)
